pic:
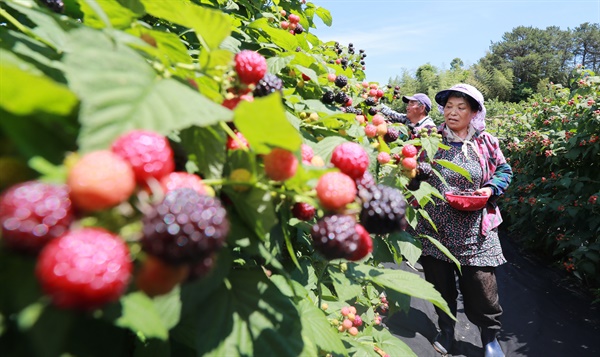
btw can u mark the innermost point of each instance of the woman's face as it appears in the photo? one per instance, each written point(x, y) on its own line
point(458, 114)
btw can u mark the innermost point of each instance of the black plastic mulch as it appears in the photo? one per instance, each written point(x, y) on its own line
point(543, 315)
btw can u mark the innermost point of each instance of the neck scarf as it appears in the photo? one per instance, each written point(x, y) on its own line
point(467, 142)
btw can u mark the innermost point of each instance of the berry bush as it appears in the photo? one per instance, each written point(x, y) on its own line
point(202, 178)
point(553, 144)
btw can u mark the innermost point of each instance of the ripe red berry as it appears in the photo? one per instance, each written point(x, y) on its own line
point(100, 180)
point(176, 180)
point(84, 269)
point(409, 150)
point(148, 153)
point(307, 153)
point(233, 144)
point(357, 321)
point(280, 164)
point(335, 190)
point(351, 159)
point(365, 245)
point(156, 277)
point(409, 163)
point(32, 213)
point(250, 66)
point(303, 211)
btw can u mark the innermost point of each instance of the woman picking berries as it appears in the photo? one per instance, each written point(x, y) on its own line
point(472, 237)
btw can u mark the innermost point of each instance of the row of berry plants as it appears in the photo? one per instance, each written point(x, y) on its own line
point(212, 179)
point(553, 144)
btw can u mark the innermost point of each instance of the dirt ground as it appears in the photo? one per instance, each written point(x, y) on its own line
point(543, 315)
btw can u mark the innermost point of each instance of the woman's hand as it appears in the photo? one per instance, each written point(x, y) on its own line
point(487, 191)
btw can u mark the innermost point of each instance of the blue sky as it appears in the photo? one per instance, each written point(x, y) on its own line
point(399, 34)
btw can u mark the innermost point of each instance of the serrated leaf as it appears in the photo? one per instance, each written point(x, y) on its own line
point(407, 245)
point(399, 280)
point(119, 16)
point(255, 319)
point(276, 64)
point(47, 28)
point(316, 328)
point(211, 26)
point(264, 124)
point(121, 92)
point(17, 97)
point(324, 15)
point(277, 36)
point(168, 307)
point(206, 148)
point(140, 316)
point(345, 288)
point(391, 344)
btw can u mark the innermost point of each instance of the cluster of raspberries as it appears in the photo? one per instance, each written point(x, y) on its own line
point(86, 268)
point(382, 208)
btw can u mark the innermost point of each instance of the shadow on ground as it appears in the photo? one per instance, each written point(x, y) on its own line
point(543, 315)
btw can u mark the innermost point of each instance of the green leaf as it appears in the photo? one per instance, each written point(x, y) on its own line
point(17, 97)
point(264, 124)
point(255, 319)
point(324, 15)
point(407, 245)
point(277, 36)
point(399, 280)
point(168, 307)
point(205, 146)
point(121, 92)
point(141, 316)
point(276, 64)
point(316, 328)
point(452, 166)
point(256, 209)
point(346, 289)
point(97, 13)
point(391, 344)
point(47, 28)
point(211, 26)
point(444, 250)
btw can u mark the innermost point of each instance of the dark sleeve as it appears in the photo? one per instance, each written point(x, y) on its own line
point(393, 115)
point(501, 179)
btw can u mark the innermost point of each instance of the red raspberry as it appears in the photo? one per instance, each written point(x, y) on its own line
point(182, 179)
point(351, 159)
point(409, 150)
point(84, 269)
point(100, 180)
point(357, 321)
point(233, 144)
point(335, 190)
point(409, 163)
point(365, 245)
point(307, 153)
point(149, 154)
point(280, 164)
point(32, 213)
point(156, 277)
point(303, 211)
point(250, 66)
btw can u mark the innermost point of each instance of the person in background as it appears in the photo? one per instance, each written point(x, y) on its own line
point(471, 237)
point(417, 114)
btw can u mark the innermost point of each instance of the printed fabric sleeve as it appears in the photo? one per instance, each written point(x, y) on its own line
point(501, 179)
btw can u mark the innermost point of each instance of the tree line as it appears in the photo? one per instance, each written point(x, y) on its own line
point(522, 63)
